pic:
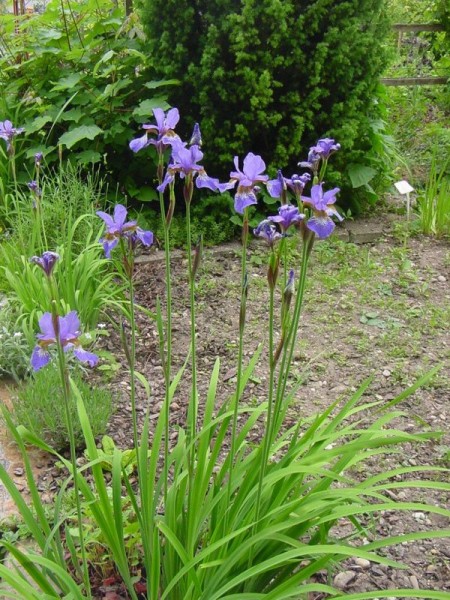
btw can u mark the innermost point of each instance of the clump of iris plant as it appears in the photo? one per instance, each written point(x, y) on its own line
point(63, 330)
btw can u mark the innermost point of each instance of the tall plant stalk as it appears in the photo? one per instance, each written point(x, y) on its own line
point(236, 398)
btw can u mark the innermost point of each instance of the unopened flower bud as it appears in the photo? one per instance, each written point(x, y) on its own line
point(198, 251)
point(196, 138)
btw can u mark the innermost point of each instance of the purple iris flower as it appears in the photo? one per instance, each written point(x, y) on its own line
point(287, 216)
point(185, 163)
point(38, 157)
point(33, 187)
point(296, 184)
point(8, 133)
point(252, 173)
point(69, 332)
point(322, 206)
point(163, 129)
point(47, 261)
point(321, 151)
point(325, 147)
point(268, 232)
point(117, 227)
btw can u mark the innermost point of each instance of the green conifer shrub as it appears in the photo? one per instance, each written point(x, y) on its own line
point(272, 76)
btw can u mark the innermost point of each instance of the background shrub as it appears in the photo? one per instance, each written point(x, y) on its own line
point(76, 77)
point(275, 75)
point(38, 405)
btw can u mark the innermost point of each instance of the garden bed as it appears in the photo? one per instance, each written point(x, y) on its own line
point(379, 310)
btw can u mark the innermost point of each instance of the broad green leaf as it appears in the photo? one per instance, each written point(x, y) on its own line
point(146, 107)
point(88, 156)
point(360, 174)
point(38, 123)
point(152, 85)
point(68, 83)
point(84, 132)
point(105, 58)
point(74, 114)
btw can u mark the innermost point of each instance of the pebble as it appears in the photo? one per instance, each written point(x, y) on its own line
point(342, 580)
point(442, 279)
point(362, 562)
point(386, 373)
point(18, 471)
point(414, 582)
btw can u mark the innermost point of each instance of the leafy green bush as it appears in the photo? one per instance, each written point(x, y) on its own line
point(274, 76)
point(76, 77)
point(38, 405)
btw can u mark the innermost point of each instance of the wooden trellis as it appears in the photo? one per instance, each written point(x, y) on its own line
point(412, 81)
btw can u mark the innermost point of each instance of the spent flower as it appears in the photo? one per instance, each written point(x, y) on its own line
point(34, 188)
point(68, 333)
point(268, 232)
point(38, 157)
point(117, 227)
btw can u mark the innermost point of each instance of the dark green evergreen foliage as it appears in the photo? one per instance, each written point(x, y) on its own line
point(271, 76)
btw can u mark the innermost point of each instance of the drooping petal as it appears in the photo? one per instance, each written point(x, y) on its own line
point(109, 245)
point(146, 237)
point(243, 198)
point(204, 181)
point(275, 188)
point(322, 226)
point(139, 143)
point(85, 356)
point(169, 177)
point(39, 358)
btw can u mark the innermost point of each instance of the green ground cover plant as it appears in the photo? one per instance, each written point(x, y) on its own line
point(217, 513)
point(38, 405)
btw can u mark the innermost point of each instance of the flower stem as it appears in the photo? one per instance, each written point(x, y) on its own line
point(168, 358)
point(291, 340)
point(73, 458)
point(244, 287)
